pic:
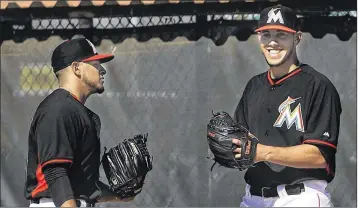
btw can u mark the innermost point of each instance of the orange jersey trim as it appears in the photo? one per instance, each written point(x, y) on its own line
point(40, 177)
point(320, 142)
point(74, 96)
point(283, 79)
point(328, 169)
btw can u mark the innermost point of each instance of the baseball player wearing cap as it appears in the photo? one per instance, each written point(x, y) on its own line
point(294, 111)
point(63, 144)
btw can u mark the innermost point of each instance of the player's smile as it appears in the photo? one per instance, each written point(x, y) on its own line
point(274, 53)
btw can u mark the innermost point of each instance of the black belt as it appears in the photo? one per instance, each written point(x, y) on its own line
point(78, 202)
point(35, 201)
point(293, 189)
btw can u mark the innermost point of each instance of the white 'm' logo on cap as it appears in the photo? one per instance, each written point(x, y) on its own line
point(272, 16)
point(91, 44)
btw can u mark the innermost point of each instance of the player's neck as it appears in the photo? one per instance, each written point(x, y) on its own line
point(283, 69)
point(76, 91)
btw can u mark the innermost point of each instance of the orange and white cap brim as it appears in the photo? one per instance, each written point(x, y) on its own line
point(275, 27)
point(100, 57)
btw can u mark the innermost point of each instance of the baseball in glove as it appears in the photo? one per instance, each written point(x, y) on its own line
point(126, 166)
point(220, 132)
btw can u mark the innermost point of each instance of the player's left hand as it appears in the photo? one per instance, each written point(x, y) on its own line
point(237, 150)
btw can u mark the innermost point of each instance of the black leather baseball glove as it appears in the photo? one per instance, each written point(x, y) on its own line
point(220, 132)
point(126, 166)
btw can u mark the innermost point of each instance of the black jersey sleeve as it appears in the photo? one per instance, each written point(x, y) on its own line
point(58, 183)
point(241, 111)
point(322, 127)
point(56, 138)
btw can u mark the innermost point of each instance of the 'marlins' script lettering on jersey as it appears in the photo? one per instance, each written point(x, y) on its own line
point(272, 16)
point(288, 116)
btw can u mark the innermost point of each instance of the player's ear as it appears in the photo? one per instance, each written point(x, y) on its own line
point(298, 37)
point(75, 66)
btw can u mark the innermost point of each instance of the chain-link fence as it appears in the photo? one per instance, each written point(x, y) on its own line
point(168, 89)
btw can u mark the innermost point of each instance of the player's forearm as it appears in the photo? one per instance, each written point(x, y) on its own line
point(108, 196)
point(69, 203)
point(300, 156)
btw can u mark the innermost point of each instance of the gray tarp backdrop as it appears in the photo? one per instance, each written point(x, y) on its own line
point(169, 91)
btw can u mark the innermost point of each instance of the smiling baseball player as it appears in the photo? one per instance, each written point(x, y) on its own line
point(294, 111)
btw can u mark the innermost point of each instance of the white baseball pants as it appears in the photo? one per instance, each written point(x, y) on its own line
point(315, 195)
point(48, 202)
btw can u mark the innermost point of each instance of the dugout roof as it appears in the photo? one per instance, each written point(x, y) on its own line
point(166, 19)
point(23, 4)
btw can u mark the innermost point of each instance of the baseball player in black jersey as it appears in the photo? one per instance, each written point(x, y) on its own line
point(64, 147)
point(294, 111)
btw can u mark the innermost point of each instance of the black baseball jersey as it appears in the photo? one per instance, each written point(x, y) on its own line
point(301, 107)
point(63, 130)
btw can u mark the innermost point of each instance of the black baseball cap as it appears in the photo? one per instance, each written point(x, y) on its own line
point(79, 49)
point(277, 17)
